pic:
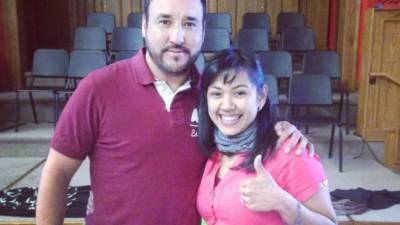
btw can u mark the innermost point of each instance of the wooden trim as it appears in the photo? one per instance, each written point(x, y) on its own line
point(392, 150)
point(347, 41)
point(12, 45)
point(386, 76)
point(364, 90)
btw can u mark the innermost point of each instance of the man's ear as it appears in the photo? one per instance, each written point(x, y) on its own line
point(204, 31)
point(144, 26)
point(262, 96)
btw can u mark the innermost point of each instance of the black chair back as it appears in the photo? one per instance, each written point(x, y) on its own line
point(219, 20)
point(277, 63)
point(257, 20)
point(215, 40)
point(135, 20)
point(127, 39)
point(90, 38)
point(105, 20)
point(254, 40)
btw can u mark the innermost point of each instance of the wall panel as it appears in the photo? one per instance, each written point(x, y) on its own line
point(12, 57)
point(273, 8)
point(242, 8)
point(114, 6)
point(98, 5)
point(231, 7)
point(212, 5)
point(348, 40)
point(90, 6)
point(290, 5)
point(81, 12)
point(317, 15)
point(126, 8)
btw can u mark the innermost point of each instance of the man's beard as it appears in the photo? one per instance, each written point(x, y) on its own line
point(171, 69)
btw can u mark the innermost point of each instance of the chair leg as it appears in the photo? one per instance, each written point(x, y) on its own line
point(347, 114)
point(66, 97)
point(17, 111)
point(331, 141)
point(55, 107)
point(340, 149)
point(33, 107)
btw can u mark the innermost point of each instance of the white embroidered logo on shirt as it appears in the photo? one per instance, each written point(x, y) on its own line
point(194, 123)
point(90, 204)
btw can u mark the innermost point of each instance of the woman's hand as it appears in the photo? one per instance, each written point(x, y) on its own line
point(261, 193)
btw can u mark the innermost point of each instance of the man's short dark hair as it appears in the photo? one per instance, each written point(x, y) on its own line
point(147, 4)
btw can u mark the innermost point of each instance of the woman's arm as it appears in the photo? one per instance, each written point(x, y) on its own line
point(262, 193)
point(316, 210)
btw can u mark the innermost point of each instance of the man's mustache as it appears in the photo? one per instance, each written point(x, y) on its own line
point(176, 47)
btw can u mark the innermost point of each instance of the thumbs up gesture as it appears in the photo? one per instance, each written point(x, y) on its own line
point(261, 193)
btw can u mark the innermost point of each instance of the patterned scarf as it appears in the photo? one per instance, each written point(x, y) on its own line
point(240, 143)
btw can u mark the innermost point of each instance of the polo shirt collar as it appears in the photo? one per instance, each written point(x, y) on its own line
point(144, 75)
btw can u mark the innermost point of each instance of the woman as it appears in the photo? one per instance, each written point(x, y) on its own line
point(245, 180)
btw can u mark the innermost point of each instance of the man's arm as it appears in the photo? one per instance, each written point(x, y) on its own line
point(56, 175)
point(290, 138)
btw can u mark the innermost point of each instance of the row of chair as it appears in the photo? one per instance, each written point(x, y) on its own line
point(64, 69)
point(253, 20)
point(254, 35)
point(106, 20)
point(256, 25)
point(56, 72)
point(279, 64)
point(125, 41)
point(213, 20)
point(298, 39)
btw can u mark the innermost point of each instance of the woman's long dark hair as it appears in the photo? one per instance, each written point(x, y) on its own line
point(223, 64)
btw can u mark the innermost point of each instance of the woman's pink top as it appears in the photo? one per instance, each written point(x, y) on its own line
point(219, 203)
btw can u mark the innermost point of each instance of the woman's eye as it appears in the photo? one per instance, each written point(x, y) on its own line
point(214, 94)
point(240, 93)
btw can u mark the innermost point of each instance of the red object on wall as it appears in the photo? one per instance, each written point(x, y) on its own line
point(3, 63)
point(333, 20)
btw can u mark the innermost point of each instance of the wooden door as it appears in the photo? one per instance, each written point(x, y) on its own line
point(379, 103)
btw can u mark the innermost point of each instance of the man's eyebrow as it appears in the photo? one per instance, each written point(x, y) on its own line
point(191, 18)
point(164, 16)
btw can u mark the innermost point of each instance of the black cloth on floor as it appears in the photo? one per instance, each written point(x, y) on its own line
point(361, 200)
point(22, 202)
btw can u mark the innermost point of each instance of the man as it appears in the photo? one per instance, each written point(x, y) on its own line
point(137, 122)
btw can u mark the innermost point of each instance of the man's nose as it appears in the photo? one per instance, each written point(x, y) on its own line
point(177, 34)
